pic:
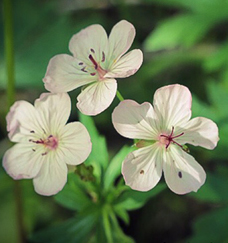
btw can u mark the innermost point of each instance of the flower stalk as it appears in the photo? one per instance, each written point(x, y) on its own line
point(119, 96)
point(10, 77)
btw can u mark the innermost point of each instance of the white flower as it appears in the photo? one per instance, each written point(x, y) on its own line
point(97, 60)
point(45, 145)
point(162, 130)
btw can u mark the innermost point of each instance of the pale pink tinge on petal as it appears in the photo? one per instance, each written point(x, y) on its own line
point(53, 110)
point(200, 131)
point(135, 121)
point(120, 40)
point(52, 176)
point(21, 119)
point(92, 40)
point(64, 73)
point(183, 174)
point(21, 161)
point(172, 105)
point(142, 169)
point(75, 144)
point(126, 65)
point(97, 97)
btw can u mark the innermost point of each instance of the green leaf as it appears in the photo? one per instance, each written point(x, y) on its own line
point(218, 96)
point(216, 9)
point(131, 200)
point(218, 59)
point(200, 108)
point(78, 229)
point(118, 234)
point(114, 168)
point(214, 189)
point(99, 155)
point(73, 196)
point(183, 30)
point(211, 227)
point(122, 213)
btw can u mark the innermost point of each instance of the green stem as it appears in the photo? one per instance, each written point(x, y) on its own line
point(107, 226)
point(9, 50)
point(119, 96)
point(9, 57)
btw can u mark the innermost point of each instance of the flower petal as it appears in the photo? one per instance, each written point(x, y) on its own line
point(120, 40)
point(52, 176)
point(75, 144)
point(182, 172)
point(21, 119)
point(21, 161)
point(97, 97)
point(172, 104)
point(142, 169)
point(126, 65)
point(133, 120)
point(200, 131)
point(64, 73)
point(91, 40)
point(53, 111)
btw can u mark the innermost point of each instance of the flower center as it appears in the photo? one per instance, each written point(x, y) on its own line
point(50, 143)
point(98, 69)
point(168, 139)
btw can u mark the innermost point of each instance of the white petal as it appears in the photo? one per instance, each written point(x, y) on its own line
point(97, 97)
point(21, 161)
point(126, 65)
point(75, 144)
point(142, 169)
point(52, 176)
point(65, 74)
point(120, 40)
point(53, 111)
point(172, 104)
point(200, 131)
point(21, 119)
point(182, 172)
point(91, 40)
point(132, 120)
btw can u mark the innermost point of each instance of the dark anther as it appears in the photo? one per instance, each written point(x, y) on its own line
point(92, 50)
point(103, 57)
point(83, 70)
point(92, 74)
point(141, 172)
point(80, 63)
point(32, 131)
point(180, 174)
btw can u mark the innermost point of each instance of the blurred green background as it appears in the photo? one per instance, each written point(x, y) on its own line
point(183, 42)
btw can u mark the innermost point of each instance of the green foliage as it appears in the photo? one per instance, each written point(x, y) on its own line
point(74, 195)
point(131, 200)
point(77, 229)
point(211, 227)
point(97, 202)
point(99, 155)
point(214, 190)
point(114, 167)
point(183, 31)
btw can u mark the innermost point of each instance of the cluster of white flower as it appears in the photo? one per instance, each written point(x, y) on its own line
point(46, 144)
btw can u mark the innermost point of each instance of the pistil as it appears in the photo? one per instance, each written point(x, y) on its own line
point(168, 139)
